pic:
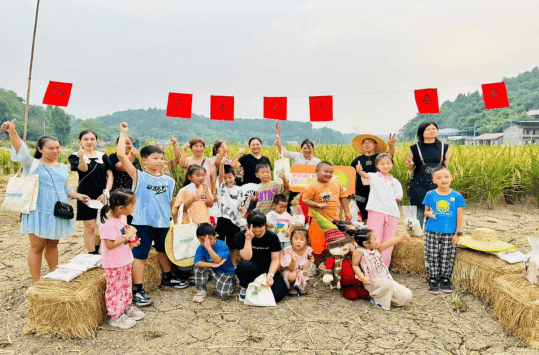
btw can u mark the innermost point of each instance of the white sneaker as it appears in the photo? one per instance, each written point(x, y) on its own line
point(134, 312)
point(199, 297)
point(123, 322)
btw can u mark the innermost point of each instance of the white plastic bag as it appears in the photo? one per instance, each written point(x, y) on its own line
point(259, 293)
point(63, 274)
point(530, 272)
point(413, 227)
point(76, 265)
point(354, 211)
point(21, 192)
point(282, 164)
point(185, 242)
point(94, 260)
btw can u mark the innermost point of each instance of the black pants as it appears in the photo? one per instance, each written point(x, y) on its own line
point(226, 230)
point(247, 271)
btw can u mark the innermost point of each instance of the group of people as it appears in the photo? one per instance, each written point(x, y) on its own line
point(238, 241)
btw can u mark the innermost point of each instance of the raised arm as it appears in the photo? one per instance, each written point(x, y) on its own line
point(247, 251)
point(14, 138)
point(391, 142)
point(236, 161)
point(393, 241)
point(359, 170)
point(278, 145)
point(221, 171)
point(122, 157)
point(182, 162)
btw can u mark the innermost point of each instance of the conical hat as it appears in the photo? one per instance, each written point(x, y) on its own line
point(357, 143)
point(331, 232)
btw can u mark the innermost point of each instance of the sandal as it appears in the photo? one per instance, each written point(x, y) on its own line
point(192, 281)
point(302, 293)
point(293, 292)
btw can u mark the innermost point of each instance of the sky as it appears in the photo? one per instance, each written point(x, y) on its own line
point(370, 55)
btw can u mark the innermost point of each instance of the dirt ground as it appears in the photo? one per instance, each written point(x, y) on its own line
point(322, 323)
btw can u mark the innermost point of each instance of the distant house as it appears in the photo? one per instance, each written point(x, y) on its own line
point(445, 133)
point(488, 138)
point(292, 143)
point(461, 140)
point(521, 133)
point(534, 114)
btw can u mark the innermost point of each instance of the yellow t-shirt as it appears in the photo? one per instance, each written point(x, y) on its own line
point(198, 210)
point(330, 194)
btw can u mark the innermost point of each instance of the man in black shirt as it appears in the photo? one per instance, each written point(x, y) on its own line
point(368, 146)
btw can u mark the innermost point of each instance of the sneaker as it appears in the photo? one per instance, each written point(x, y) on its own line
point(176, 283)
point(199, 297)
point(134, 312)
point(433, 286)
point(243, 293)
point(445, 285)
point(123, 322)
point(141, 299)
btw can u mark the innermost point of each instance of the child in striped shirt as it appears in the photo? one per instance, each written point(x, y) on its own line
point(267, 188)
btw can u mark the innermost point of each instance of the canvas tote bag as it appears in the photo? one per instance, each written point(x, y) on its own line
point(259, 293)
point(185, 240)
point(21, 192)
point(282, 164)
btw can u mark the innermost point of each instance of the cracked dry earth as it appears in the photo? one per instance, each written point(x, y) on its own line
point(322, 323)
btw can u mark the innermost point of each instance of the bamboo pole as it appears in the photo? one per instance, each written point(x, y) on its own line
point(30, 77)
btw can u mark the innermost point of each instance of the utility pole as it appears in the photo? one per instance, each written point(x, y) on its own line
point(30, 76)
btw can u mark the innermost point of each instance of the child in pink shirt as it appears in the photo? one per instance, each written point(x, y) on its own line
point(117, 239)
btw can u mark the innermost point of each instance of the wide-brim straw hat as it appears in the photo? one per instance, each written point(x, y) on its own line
point(357, 143)
point(484, 239)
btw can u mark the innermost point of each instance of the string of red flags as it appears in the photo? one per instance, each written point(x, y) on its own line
point(179, 105)
point(57, 94)
point(320, 107)
point(495, 95)
point(427, 101)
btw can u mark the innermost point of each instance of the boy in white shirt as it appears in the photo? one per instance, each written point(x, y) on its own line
point(280, 221)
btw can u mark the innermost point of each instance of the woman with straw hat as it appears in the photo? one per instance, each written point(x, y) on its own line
point(368, 146)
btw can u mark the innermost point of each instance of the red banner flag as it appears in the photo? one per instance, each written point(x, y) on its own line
point(57, 94)
point(179, 105)
point(427, 101)
point(321, 108)
point(222, 108)
point(275, 108)
point(495, 95)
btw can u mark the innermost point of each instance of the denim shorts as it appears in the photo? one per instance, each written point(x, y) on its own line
point(147, 234)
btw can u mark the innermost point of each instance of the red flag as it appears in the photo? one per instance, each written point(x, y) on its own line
point(427, 100)
point(275, 108)
point(495, 95)
point(179, 105)
point(57, 94)
point(222, 108)
point(321, 108)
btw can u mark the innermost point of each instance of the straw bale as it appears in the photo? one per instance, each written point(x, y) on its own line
point(475, 271)
point(67, 309)
point(516, 304)
point(409, 257)
point(152, 272)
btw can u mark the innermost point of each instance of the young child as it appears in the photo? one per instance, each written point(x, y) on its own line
point(154, 193)
point(195, 196)
point(443, 208)
point(267, 188)
point(280, 221)
point(296, 260)
point(370, 269)
point(213, 262)
point(383, 209)
point(326, 193)
point(117, 241)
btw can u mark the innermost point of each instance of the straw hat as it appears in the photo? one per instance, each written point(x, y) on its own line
point(357, 143)
point(484, 239)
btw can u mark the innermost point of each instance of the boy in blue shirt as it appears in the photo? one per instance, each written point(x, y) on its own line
point(213, 262)
point(152, 214)
point(443, 208)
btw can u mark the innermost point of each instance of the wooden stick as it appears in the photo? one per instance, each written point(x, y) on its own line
point(30, 76)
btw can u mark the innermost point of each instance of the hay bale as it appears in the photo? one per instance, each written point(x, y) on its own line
point(152, 272)
point(516, 304)
point(409, 257)
point(67, 309)
point(475, 271)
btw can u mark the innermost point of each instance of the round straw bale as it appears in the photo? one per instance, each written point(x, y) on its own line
point(152, 272)
point(409, 256)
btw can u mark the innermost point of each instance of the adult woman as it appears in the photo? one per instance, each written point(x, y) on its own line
point(423, 156)
point(305, 156)
point(121, 177)
point(249, 161)
point(197, 146)
point(95, 180)
point(43, 228)
point(260, 250)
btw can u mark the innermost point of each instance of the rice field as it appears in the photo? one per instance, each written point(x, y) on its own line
point(481, 173)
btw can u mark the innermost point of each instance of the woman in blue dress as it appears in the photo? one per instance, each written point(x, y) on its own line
point(43, 228)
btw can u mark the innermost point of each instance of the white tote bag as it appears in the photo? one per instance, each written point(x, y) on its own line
point(21, 192)
point(282, 164)
point(259, 293)
point(185, 242)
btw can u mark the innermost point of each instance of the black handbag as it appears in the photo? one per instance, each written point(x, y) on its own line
point(61, 209)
